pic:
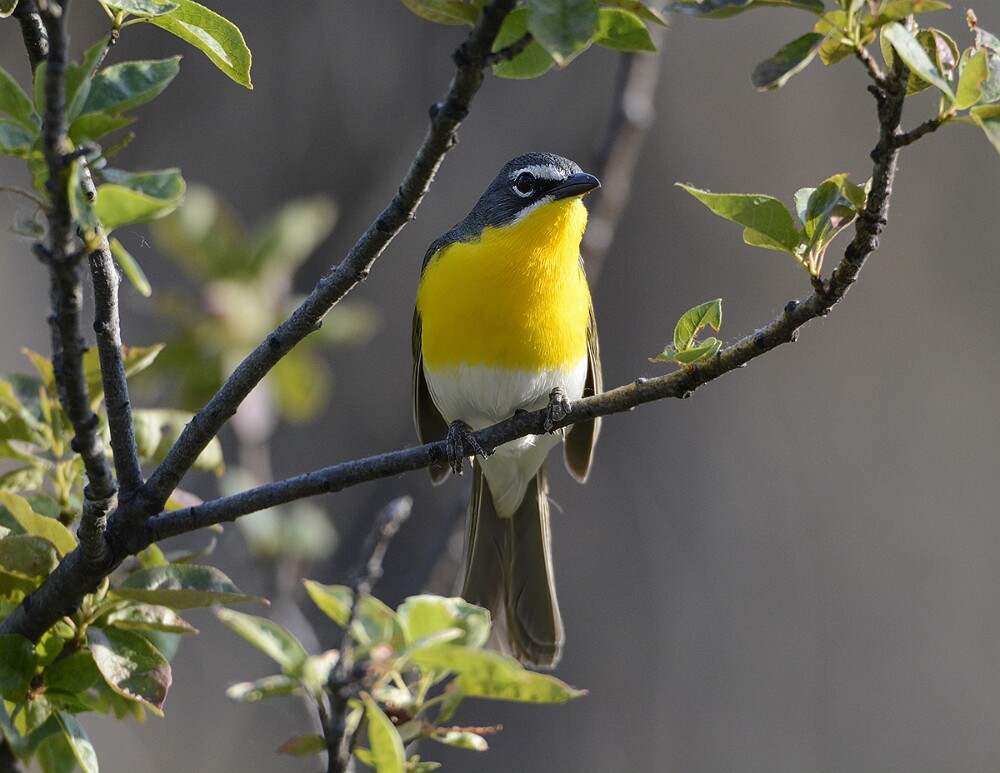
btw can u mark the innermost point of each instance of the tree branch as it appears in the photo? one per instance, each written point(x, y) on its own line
point(347, 676)
point(618, 155)
point(36, 39)
point(471, 59)
point(783, 329)
point(77, 574)
point(62, 591)
point(63, 262)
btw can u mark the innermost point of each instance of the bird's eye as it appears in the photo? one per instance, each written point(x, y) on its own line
point(524, 185)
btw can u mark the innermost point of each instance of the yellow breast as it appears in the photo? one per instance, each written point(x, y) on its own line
point(517, 298)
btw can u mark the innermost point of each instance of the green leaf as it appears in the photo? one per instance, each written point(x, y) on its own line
point(461, 739)
point(414, 765)
point(15, 103)
point(268, 687)
point(896, 10)
point(181, 587)
point(375, 624)
point(218, 38)
point(123, 86)
point(705, 350)
point(694, 320)
point(987, 118)
point(71, 675)
point(82, 748)
point(792, 58)
point(15, 140)
point(444, 11)
point(40, 525)
point(334, 601)
point(18, 662)
point(53, 751)
point(27, 556)
point(911, 52)
point(130, 665)
point(303, 745)
point(149, 617)
point(622, 31)
point(970, 83)
point(640, 9)
point(425, 615)
point(563, 27)
point(270, 638)
point(143, 7)
point(768, 222)
point(156, 431)
point(94, 126)
point(80, 79)
point(387, 751)
point(723, 9)
point(132, 198)
point(532, 61)
point(486, 674)
point(830, 206)
point(131, 268)
point(941, 49)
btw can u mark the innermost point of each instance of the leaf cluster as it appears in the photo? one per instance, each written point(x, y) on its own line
point(112, 654)
point(821, 213)
point(545, 33)
point(409, 671)
point(686, 349)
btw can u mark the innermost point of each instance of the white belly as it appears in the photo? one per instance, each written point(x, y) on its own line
point(482, 395)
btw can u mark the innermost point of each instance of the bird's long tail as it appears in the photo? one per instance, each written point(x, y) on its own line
point(509, 569)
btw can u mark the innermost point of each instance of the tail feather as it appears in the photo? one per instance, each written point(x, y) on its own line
point(509, 566)
point(486, 547)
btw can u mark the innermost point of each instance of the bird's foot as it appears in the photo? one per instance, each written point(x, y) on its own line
point(461, 443)
point(559, 408)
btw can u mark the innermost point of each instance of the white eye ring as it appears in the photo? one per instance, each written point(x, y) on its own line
point(524, 184)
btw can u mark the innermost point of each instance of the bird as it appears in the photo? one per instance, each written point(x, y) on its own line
point(504, 323)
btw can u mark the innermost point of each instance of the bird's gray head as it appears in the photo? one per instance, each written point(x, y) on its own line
point(524, 184)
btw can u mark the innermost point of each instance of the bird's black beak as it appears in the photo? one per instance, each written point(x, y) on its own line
point(575, 185)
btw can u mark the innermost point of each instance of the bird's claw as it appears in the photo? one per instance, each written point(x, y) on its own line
point(559, 408)
point(460, 444)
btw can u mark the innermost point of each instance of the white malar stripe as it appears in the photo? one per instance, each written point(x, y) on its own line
point(482, 395)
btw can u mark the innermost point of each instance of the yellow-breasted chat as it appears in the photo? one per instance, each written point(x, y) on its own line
point(504, 323)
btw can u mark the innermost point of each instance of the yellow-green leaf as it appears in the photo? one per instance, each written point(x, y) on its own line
point(37, 524)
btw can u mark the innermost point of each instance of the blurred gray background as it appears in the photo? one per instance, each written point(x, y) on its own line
point(798, 568)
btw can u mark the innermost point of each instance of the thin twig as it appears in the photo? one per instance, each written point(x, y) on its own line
point(509, 52)
point(347, 677)
point(930, 125)
point(107, 328)
point(874, 71)
point(631, 117)
point(35, 199)
point(63, 262)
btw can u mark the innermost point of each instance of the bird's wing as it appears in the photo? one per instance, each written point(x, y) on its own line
point(581, 437)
